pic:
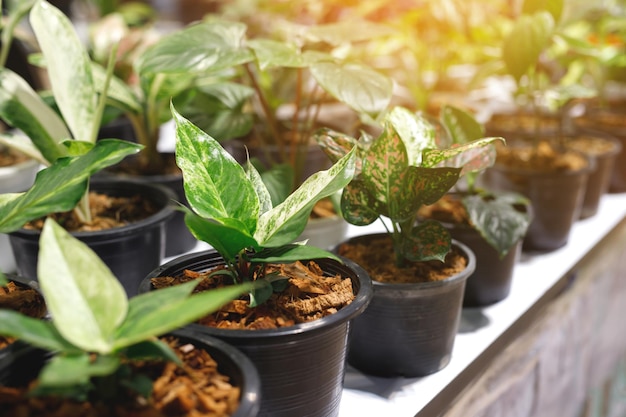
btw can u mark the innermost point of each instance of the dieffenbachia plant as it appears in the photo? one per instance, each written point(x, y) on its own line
point(502, 218)
point(232, 211)
point(397, 173)
point(95, 329)
point(65, 143)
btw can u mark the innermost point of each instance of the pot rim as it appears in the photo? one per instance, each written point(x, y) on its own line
point(362, 298)
point(160, 216)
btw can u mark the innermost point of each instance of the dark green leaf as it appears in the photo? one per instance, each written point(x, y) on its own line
point(291, 253)
point(203, 47)
point(225, 238)
point(152, 349)
point(279, 182)
point(359, 206)
point(427, 241)
point(39, 333)
point(502, 219)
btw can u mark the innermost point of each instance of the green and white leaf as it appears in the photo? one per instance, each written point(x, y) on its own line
point(59, 187)
point(69, 69)
point(416, 133)
point(86, 311)
point(23, 108)
point(37, 332)
point(285, 222)
point(216, 185)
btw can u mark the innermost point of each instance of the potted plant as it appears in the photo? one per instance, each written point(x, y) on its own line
point(419, 274)
point(103, 352)
point(299, 353)
point(492, 224)
point(265, 96)
point(539, 166)
point(71, 155)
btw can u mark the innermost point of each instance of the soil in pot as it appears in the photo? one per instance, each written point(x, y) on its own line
point(409, 328)
point(21, 297)
point(554, 181)
point(196, 389)
point(491, 281)
point(127, 230)
point(310, 294)
point(301, 365)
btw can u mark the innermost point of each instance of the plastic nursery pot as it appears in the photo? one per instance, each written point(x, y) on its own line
point(325, 233)
point(610, 120)
point(491, 281)
point(603, 150)
point(178, 237)
point(408, 330)
point(301, 366)
point(20, 364)
point(13, 179)
point(556, 199)
point(130, 251)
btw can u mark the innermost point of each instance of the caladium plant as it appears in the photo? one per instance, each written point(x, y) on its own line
point(95, 329)
point(65, 143)
point(397, 173)
point(231, 208)
point(502, 218)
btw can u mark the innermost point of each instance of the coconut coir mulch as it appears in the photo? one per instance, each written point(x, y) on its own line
point(194, 390)
point(377, 257)
point(310, 295)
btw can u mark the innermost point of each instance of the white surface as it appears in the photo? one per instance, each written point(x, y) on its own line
point(533, 275)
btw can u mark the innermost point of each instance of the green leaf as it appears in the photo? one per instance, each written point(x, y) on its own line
point(152, 349)
point(72, 371)
point(291, 253)
point(427, 241)
point(119, 93)
point(271, 54)
point(554, 7)
point(215, 184)
point(59, 187)
point(37, 332)
point(502, 219)
point(265, 199)
point(359, 87)
point(468, 156)
point(530, 35)
point(87, 302)
point(384, 166)
point(285, 222)
point(200, 48)
point(69, 69)
point(22, 108)
point(416, 133)
point(228, 238)
point(278, 180)
point(158, 319)
point(461, 126)
point(421, 186)
point(359, 206)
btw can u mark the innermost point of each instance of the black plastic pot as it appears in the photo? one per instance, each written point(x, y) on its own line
point(302, 366)
point(178, 237)
point(20, 364)
point(408, 330)
point(130, 251)
point(491, 281)
point(556, 199)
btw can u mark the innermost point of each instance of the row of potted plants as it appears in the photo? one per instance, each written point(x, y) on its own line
point(393, 173)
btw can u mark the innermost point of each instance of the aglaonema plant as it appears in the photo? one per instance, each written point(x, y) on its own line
point(95, 330)
point(231, 208)
point(501, 218)
point(65, 143)
point(397, 173)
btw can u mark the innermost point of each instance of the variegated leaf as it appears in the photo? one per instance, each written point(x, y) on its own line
point(359, 206)
point(415, 131)
point(427, 241)
point(336, 145)
point(437, 157)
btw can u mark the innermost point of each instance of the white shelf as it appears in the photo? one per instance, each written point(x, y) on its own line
point(534, 276)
